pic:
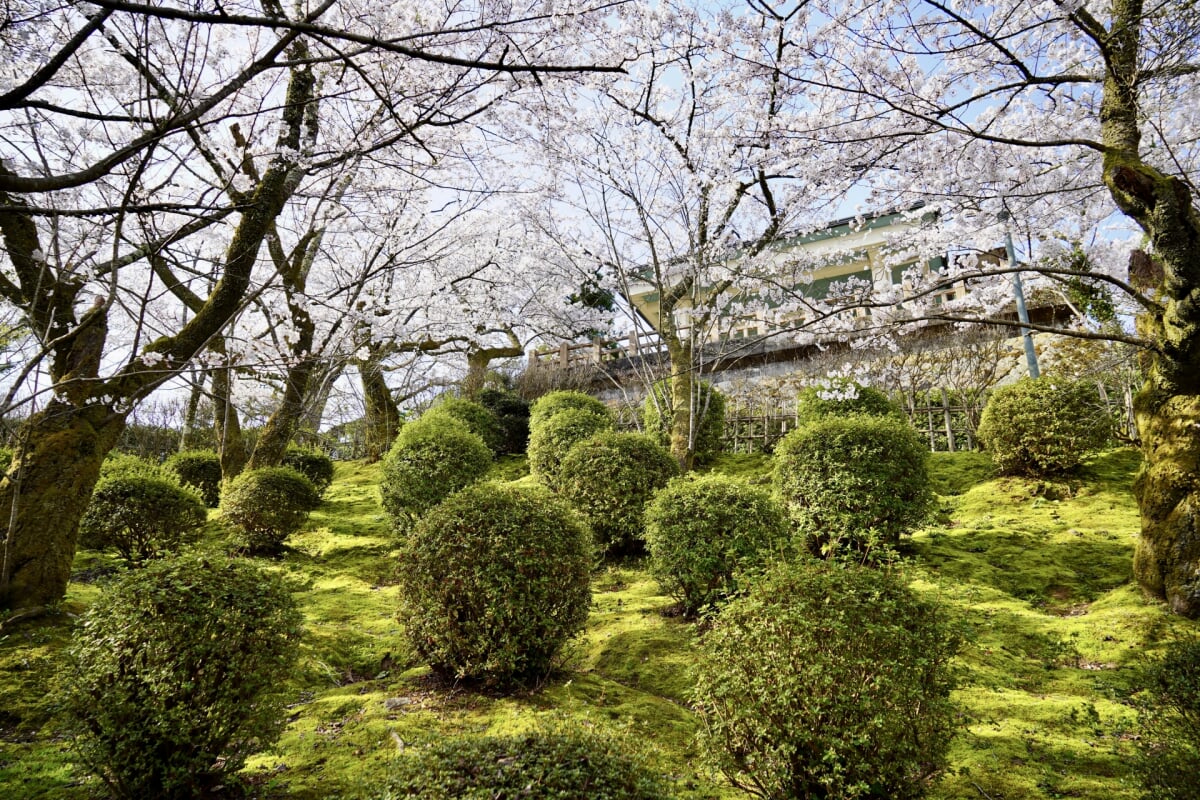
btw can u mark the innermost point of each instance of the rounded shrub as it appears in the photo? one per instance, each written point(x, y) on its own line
point(1043, 427)
point(494, 581)
point(552, 403)
point(854, 483)
point(552, 438)
point(657, 413)
point(701, 531)
point(1169, 745)
point(141, 518)
point(312, 464)
point(609, 478)
point(841, 399)
point(430, 459)
point(478, 419)
point(827, 680)
point(125, 465)
point(200, 469)
point(268, 505)
point(512, 412)
point(531, 766)
point(174, 674)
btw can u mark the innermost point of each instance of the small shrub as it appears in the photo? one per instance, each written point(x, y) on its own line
point(431, 458)
point(657, 411)
point(494, 581)
point(312, 464)
point(175, 672)
point(141, 518)
point(1043, 427)
point(841, 399)
point(478, 419)
point(609, 478)
point(124, 465)
point(268, 505)
point(552, 438)
point(550, 404)
point(200, 469)
point(512, 412)
point(701, 530)
point(827, 680)
point(6, 459)
point(853, 484)
point(531, 766)
point(1169, 746)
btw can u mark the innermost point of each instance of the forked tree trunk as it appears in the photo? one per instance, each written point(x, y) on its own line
point(277, 433)
point(61, 451)
point(231, 445)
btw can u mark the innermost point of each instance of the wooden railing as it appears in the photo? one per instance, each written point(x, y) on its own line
point(597, 352)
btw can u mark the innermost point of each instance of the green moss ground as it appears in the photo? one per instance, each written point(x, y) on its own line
point(1039, 573)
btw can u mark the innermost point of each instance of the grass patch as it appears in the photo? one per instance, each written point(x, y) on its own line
point(1038, 573)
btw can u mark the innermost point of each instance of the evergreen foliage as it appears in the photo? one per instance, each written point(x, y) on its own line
point(200, 469)
point(828, 680)
point(430, 459)
point(1043, 427)
point(701, 530)
point(175, 673)
point(268, 505)
point(141, 517)
point(494, 581)
point(853, 485)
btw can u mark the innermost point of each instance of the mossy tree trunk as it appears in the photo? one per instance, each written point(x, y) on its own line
point(1167, 562)
point(60, 449)
point(382, 415)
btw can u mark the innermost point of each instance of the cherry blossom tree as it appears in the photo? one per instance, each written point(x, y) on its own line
point(131, 130)
point(1074, 115)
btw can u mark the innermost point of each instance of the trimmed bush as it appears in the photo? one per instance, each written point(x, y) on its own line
point(312, 464)
point(478, 419)
point(200, 469)
point(431, 458)
point(853, 484)
point(174, 675)
point(268, 505)
point(843, 398)
point(494, 581)
point(550, 404)
point(552, 438)
point(530, 766)
point(656, 418)
point(141, 518)
point(124, 465)
point(828, 680)
point(1169, 746)
point(1043, 427)
point(609, 478)
point(700, 531)
point(512, 412)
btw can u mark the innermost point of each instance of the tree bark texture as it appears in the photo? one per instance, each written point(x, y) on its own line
point(1167, 560)
point(57, 464)
point(382, 415)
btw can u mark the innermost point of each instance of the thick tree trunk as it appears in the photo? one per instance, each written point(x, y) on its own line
point(1167, 561)
point(56, 466)
point(275, 436)
point(382, 416)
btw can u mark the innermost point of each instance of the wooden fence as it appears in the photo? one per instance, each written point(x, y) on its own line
point(943, 425)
